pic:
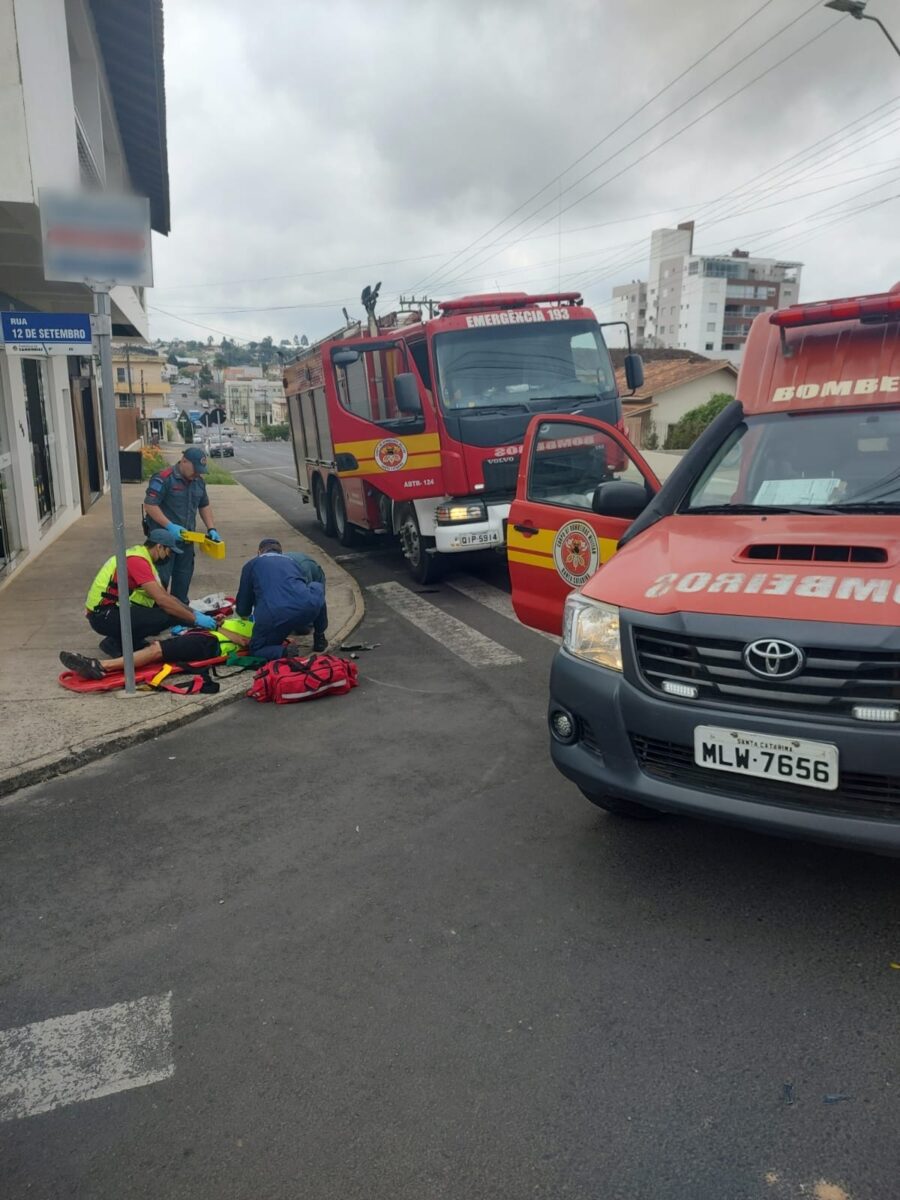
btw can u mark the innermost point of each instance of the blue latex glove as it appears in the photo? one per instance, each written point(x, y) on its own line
point(202, 621)
point(178, 530)
point(213, 535)
point(176, 629)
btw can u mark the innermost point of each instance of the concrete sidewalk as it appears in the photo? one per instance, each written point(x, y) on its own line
point(48, 730)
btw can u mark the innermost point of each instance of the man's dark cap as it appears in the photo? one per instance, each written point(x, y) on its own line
point(197, 458)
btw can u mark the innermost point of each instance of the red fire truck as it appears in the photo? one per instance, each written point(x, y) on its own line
point(739, 656)
point(414, 427)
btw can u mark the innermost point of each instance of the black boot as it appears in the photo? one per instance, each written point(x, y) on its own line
point(320, 643)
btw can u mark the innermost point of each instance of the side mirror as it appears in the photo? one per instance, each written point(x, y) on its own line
point(619, 498)
point(634, 371)
point(344, 358)
point(406, 393)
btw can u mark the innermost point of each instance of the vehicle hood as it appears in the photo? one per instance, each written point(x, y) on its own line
point(753, 566)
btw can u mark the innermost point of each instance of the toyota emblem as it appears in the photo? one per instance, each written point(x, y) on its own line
point(772, 659)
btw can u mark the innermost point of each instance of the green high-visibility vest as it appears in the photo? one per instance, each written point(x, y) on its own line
point(100, 588)
point(239, 625)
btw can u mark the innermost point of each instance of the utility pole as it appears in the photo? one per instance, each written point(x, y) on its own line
point(128, 369)
point(103, 321)
point(410, 303)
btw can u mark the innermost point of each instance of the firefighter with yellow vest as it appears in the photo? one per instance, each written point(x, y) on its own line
point(153, 609)
point(187, 646)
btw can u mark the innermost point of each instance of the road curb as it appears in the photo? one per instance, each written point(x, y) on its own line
point(233, 688)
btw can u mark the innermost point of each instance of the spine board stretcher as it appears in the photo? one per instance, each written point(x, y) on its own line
point(146, 675)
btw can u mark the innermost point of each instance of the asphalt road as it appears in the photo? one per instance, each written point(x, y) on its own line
point(376, 947)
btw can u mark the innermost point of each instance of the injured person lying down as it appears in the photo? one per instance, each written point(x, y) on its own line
point(185, 646)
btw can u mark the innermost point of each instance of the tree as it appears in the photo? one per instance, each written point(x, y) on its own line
point(208, 393)
point(172, 360)
point(205, 374)
point(688, 429)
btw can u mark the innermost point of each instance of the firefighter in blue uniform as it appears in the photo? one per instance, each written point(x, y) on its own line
point(274, 590)
point(174, 498)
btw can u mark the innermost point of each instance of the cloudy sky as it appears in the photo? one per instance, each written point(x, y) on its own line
point(318, 146)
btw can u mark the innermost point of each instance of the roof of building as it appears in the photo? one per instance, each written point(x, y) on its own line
point(662, 375)
point(130, 33)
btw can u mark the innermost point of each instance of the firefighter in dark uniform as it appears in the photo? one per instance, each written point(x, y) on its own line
point(174, 498)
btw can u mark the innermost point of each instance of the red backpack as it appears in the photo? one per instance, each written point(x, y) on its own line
point(289, 680)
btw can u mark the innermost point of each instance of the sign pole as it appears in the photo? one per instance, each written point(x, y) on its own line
point(103, 311)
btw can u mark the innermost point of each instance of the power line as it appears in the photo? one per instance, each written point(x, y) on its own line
point(605, 138)
point(649, 129)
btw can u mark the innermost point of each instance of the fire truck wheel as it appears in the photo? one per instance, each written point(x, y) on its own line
point(423, 567)
point(622, 808)
point(324, 515)
point(343, 530)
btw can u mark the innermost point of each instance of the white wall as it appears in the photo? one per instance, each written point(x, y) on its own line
point(15, 180)
point(33, 535)
point(672, 405)
point(47, 91)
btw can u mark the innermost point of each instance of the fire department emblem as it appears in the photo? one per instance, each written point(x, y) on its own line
point(390, 454)
point(576, 552)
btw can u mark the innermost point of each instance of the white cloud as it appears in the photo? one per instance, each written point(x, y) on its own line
point(312, 139)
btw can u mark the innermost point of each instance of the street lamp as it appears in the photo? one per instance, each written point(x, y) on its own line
point(857, 9)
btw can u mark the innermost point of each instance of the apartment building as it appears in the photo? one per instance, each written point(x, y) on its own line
point(701, 302)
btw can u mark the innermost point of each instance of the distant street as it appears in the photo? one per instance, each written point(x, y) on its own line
point(379, 948)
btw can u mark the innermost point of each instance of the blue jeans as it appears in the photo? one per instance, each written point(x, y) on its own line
point(271, 629)
point(179, 570)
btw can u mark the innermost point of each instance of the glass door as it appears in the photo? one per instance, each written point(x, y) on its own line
point(40, 434)
point(10, 541)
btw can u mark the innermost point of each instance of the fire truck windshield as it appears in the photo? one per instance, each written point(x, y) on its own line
point(525, 366)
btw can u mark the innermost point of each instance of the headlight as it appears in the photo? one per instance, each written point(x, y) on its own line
point(591, 631)
point(460, 510)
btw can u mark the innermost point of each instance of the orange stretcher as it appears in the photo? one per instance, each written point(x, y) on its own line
point(116, 679)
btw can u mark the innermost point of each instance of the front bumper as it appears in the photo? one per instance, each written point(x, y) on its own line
point(637, 745)
point(466, 536)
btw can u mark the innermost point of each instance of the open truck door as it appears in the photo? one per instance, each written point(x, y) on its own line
point(581, 484)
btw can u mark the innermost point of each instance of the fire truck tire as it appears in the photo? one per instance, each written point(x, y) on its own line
point(324, 515)
point(622, 808)
point(423, 567)
point(343, 530)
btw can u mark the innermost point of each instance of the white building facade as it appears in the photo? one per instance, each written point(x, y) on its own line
point(81, 107)
point(254, 403)
point(706, 303)
point(629, 304)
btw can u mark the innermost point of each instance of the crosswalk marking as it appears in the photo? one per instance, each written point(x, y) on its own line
point(492, 598)
point(458, 637)
point(85, 1055)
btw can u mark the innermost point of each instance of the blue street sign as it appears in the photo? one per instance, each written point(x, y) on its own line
point(46, 333)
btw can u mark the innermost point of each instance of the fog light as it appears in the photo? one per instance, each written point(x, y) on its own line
point(870, 712)
point(562, 726)
point(687, 691)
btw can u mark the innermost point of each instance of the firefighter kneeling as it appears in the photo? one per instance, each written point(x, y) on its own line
point(275, 590)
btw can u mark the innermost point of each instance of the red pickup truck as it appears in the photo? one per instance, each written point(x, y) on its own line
point(732, 647)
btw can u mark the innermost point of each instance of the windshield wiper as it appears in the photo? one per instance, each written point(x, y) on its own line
point(867, 506)
point(480, 409)
point(763, 509)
